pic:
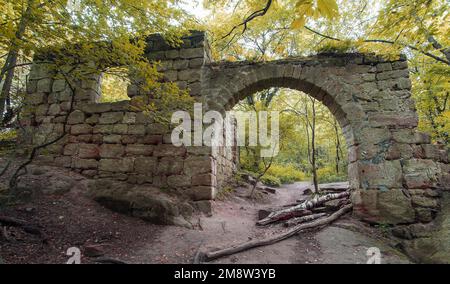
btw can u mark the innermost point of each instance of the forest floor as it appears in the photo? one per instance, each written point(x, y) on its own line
point(73, 220)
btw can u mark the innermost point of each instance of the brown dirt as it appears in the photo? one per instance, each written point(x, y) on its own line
point(73, 220)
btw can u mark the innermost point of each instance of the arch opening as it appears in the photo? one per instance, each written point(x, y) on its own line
point(295, 162)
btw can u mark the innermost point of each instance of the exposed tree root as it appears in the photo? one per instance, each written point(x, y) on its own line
point(208, 256)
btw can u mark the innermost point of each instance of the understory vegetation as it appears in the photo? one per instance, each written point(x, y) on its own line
point(310, 140)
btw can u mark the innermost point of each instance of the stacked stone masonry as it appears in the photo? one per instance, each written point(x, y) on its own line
point(395, 172)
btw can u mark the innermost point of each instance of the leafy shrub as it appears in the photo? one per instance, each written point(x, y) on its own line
point(270, 180)
point(8, 134)
point(328, 174)
point(337, 47)
point(286, 173)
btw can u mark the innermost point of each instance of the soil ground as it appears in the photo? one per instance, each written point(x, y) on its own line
point(73, 220)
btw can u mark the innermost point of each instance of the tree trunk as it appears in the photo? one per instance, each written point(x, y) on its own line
point(11, 60)
point(338, 145)
point(7, 84)
point(313, 146)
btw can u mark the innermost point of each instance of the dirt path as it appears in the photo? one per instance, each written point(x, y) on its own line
point(234, 220)
point(73, 220)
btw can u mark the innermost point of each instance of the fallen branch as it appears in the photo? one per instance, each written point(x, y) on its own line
point(107, 260)
point(282, 214)
point(208, 256)
point(304, 219)
point(198, 255)
point(13, 222)
point(286, 216)
point(5, 234)
point(10, 221)
point(3, 171)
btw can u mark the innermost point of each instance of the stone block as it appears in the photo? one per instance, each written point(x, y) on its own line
point(139, 150)
point(124, 165)
point(164, 150)
point(431, 151)
point(81, 129)
point(383, 176)
point(420, 173)
point(204, 179)
point(37, 98)
point(120, 129)
point(76, 117)
point(111, 117)
point(44, 85)
point(96, 108)
point(92, 119)
point(189, 53)
point(424, 201)
point(177, 181)
point(103, 129)
point(88, 151)
point(189, 75)
point(198, 165)
point(59, 85)
point(201, 192)
point(54, 109)
point(111, 150)
point(196, 63)
point(375, 206)
point(145, 165)
point(129, 118)
point(170, 165)
point(78, 163)
point(112, 139)
point(180, 64)
point(70, 149)
point(136, 129)
point(63, 161)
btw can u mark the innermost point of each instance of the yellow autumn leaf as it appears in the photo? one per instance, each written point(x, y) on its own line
point(298, 23)
point(305, 9)
point(328, 8)
point(303, 2)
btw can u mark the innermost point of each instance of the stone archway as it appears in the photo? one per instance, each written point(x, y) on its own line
point(396, 173)
point(371, 99)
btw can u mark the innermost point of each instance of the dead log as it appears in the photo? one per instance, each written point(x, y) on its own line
point(309, 204)
point(208, 256)
point(293, 204)
point(321, 210)
point(304, 219)
point(288, 215)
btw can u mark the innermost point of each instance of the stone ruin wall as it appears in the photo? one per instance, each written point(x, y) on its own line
point(396, 172)
point(110, 140)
